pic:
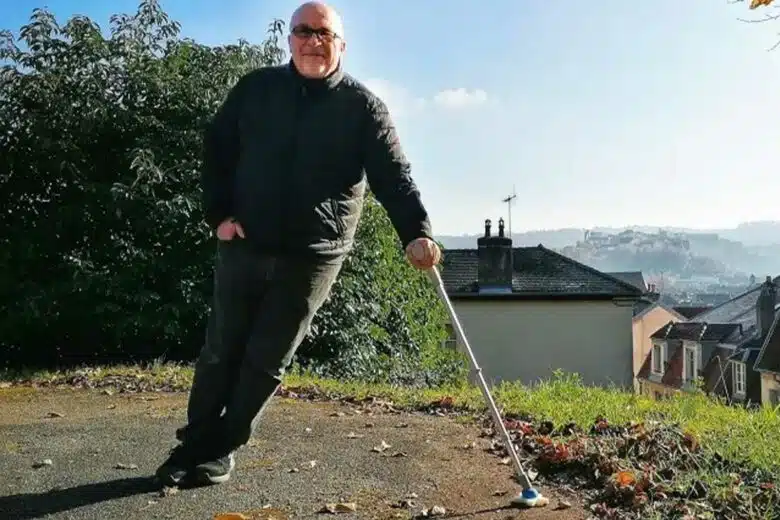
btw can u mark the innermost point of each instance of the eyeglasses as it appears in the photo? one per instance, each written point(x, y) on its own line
point(305, 32)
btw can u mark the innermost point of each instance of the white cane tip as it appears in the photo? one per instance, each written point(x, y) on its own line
point(536, 500)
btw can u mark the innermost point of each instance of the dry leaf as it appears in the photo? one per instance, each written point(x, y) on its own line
point(500, 493)
point(382, 447)
point(312, 463)
point(403, 504)
point(402, 425)
point(564, 505)
point(168, 491)
point(434, 511)
point(625, 479)
point(307, 430)
point(353, 435)
point(760, 3)
point(54, 415)
point(338, 414)
point(293, 470)
point(505, 461)
point(231, 516)
point(340, 507)
point(399, 454)
point(125, 466)
point(42, 463)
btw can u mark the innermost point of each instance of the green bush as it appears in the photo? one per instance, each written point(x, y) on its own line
point(106, 257)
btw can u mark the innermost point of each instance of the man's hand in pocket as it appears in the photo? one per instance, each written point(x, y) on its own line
point(228, 229)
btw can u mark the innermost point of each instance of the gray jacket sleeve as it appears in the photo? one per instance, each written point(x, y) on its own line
point(388, 173)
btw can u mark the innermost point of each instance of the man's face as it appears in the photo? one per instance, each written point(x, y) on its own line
point(316, 42)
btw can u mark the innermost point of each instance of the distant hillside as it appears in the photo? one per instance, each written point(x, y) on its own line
point(761, 233)
point(681, 254)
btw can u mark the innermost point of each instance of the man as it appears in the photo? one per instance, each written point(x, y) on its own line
point(286, 160)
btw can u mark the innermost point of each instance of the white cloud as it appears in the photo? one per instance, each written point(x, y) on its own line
point(460, 98)
point(403, 103)
point(400, 102)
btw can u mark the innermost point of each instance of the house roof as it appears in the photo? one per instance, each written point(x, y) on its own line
point(635, 278)
point(768, 359)
point(644, 306)
point(741, 309)
point(691, 311)
point(696, 331)
point(537, 272)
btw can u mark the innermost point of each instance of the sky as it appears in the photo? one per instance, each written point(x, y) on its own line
point(608, 113)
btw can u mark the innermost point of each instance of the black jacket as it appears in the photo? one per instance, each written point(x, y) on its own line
point(289, 157)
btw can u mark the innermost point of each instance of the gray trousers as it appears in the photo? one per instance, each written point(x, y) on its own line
point(261, 311)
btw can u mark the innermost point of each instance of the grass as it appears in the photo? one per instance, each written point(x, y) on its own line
point(749, 439)
point(737, 434)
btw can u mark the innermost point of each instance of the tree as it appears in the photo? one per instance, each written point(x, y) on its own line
point(383, 322)
point(105, 253)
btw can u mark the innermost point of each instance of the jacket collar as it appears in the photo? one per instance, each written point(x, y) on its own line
point(316, 85)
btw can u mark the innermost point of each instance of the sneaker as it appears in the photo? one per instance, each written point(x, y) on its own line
point(217, 470)
point(177, 466)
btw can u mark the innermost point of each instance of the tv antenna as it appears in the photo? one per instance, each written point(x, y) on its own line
point(508, 201)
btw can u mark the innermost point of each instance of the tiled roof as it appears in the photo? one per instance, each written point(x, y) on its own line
point(696, 331)
point(691, 311)
point(635, 278)
point(537, 272)
point(645, 305)
point(741, 309)
point(769, 356)
point(641, 306)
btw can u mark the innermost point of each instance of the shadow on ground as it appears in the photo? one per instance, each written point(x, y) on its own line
point(37, 505)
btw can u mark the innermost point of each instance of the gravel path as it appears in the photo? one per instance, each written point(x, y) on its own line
point(100, 450)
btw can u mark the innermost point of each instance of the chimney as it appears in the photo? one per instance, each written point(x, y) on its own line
point(765, 306)
point(495, 261)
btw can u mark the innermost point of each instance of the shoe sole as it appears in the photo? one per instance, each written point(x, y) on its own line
point(204, 476)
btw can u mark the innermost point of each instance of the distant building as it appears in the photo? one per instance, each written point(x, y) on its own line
point(528, 311)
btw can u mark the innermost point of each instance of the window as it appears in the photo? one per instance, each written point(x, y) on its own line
point(690, 363)
point(738, 377)
point(658, 358)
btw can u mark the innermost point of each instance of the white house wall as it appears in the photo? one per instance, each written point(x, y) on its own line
point(528, 340)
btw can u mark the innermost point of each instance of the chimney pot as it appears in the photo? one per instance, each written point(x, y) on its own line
point(487, 227)
point(501, 227)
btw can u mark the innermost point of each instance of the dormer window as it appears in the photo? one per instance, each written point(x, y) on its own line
point(658, 361)
point(738, 378)
point(690, 362)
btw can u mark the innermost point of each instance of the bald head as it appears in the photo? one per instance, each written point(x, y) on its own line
point(316, 39)
point(321, 10)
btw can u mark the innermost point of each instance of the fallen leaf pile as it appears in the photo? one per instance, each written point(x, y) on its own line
point(639, 470)
point(95, 378)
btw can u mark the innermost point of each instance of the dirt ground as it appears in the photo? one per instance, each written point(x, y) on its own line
point(96, 453)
